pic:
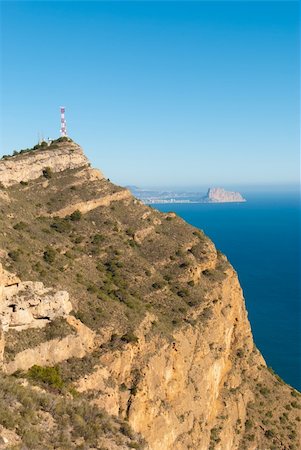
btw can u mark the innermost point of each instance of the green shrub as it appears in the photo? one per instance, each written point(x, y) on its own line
point(126, 430)
point(129, 337)
point(47, 173)
point(207, 313)
point(130, 232)
point(20, 226)
point(46, 375)
point(61, 225)
point(49, 255)
point(182, 293)
point(265, 391)
point(135, 445)
point(97, 239)
point(269, 434)
point(167, 278)
point(248, 424)
point(199, 234)
point(75, 216)
point(63, 139)
point(250, 437)
point(92, 289)
point(240, 353)
point(157, 285)
point(14, 255)
point(7, 418)
point(78, 239)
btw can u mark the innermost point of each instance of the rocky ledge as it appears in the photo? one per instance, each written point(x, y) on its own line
point(30, 165)
point(29, 304)
point(157, 352)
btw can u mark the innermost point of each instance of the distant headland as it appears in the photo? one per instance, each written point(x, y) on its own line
point(213, 195)
point(220, 195)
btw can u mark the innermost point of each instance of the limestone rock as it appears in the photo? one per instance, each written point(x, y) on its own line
point(54, 351)
point(8, 438)
point(2, 345)
point(166, 339)
point(178, 395)
point(29, 166)
point(220, 195)
point(29, 304)
point(85, 207)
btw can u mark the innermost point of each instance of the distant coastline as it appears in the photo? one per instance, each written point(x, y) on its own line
point(213, 195)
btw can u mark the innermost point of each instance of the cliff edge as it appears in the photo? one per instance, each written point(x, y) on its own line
point(60, 155)
point(123, 327)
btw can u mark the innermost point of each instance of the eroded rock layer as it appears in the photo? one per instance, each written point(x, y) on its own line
point(29, 166)
point(146, 341)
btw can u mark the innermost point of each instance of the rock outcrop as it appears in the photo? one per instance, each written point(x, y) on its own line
point(29, 304)
point(158, 337)
point(53, 351)
point(29, 166)
point(89, 205)
point(220, 195)
point(174, 391)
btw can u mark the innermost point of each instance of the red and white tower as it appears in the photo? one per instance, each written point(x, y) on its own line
point(63, 129)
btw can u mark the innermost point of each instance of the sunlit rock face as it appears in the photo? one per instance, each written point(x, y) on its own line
point(220, 195)
point(29, 166)
point(145, 318)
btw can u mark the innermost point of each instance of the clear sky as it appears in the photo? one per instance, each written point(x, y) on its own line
point(158, 93)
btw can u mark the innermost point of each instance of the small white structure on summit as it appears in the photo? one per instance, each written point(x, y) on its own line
point(63, 129)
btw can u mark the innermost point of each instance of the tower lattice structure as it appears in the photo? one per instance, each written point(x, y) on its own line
point(63, 129)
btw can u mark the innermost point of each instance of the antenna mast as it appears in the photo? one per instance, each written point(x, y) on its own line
point(63, 129)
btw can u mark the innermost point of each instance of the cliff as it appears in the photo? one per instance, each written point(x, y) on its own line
point(220, 195)
point(138, 334)
point(59, 156)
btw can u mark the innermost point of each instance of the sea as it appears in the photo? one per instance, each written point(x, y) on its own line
point(261, 239)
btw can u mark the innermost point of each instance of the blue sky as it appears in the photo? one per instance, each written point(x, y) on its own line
point(158, 93)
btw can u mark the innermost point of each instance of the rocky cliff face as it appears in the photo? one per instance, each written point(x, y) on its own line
point(220, 195)
point(57, 157)
point(157, 342)
point(29, 304)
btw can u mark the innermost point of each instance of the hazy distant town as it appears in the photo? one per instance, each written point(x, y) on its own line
point(213, 195)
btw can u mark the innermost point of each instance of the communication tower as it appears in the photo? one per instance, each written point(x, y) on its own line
point(63, 129)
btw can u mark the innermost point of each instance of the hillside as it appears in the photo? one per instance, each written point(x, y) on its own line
point(122, 327)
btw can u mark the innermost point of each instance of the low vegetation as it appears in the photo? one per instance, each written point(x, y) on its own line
point(44, 420)
point(118, 263)
point(43, 145)
point(17, 341)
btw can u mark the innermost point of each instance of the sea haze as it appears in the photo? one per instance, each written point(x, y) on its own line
point(261, 239)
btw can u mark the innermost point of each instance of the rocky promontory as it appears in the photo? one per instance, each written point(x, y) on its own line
point(31, 164)
point(220, 195)
point(120, 326)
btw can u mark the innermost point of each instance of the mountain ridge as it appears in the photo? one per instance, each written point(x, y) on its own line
point(165, 350)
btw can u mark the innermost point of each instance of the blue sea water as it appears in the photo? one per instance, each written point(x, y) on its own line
point(261, 239)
